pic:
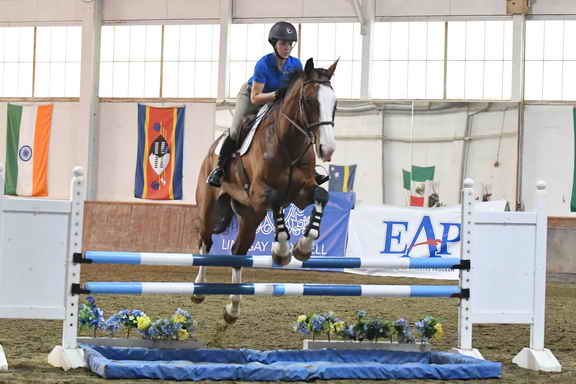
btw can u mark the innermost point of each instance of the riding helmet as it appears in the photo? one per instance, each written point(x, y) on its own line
point(282, 30)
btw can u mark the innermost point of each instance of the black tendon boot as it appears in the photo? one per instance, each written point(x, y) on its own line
point(228, 148)
point(321, 179)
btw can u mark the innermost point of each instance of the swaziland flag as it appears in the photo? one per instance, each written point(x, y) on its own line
point(160, 152)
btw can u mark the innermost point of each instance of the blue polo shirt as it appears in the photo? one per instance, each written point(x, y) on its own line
point(268, 73)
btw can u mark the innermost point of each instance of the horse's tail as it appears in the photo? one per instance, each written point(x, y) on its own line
point(224, 214)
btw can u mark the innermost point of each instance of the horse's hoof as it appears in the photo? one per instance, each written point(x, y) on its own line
point(228, 318)
point(197, 299)
point(281, 260)
point(299, 255)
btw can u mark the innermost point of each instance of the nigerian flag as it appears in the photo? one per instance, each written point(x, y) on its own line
point(27, 139)
point(417, 181)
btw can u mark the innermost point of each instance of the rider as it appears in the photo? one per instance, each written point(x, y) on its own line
point(268, 84)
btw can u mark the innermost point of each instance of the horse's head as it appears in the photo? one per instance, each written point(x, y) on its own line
point(318, 107)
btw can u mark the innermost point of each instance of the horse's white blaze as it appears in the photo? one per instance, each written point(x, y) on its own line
point(327, 100)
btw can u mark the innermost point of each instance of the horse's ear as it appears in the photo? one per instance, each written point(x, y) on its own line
point(309, 67)
point(332, 68)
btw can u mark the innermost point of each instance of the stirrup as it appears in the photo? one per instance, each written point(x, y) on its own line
point(214, 178)
point(321, 179)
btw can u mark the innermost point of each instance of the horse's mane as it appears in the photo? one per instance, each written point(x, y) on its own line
point(293, 77)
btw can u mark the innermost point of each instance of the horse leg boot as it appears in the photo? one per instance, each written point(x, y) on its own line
point(232, 309)
point(303, 248)
point(280, 246)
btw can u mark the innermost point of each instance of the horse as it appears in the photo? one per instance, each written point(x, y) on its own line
point(278, 169)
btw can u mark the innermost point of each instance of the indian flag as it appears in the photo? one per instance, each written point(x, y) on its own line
point(27, 139)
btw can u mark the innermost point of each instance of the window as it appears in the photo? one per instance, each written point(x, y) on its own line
point(479, 60)
point(130, 61)
point(550, 67)
point(16, 61)
point(407, 60)
point(58, 51)
point(327, 42)
point(190, 67)
point(248, 43)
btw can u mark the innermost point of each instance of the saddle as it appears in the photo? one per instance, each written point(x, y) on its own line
point(247, 130)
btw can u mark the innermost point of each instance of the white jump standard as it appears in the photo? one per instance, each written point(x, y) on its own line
point(502, 272)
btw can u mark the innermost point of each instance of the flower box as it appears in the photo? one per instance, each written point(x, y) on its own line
point(123, 342)
point(380, 345)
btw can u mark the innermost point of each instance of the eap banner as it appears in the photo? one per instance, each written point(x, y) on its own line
point(333, 229)
point(382, 231)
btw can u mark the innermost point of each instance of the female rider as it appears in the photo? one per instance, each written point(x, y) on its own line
point(268, 84)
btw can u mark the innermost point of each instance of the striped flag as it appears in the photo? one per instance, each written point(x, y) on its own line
point(417, 182)
point(342, 178)
point(27, 142)
point(160, 148)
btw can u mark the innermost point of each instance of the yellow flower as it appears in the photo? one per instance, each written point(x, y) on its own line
point(143, 322)
point(179, 319)
point(439, 332)
point(338, 326)
point(183, 334)
point(301, 318)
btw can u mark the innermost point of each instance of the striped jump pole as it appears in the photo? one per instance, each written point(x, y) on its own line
point(237, 261)
point(268, 289)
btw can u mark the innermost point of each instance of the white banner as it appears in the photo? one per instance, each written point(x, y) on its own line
point(388, 231)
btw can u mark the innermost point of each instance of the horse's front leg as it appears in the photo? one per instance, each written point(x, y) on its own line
point(280, 246)
point(303, 248)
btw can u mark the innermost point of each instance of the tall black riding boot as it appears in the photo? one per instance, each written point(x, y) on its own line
point(228, 148)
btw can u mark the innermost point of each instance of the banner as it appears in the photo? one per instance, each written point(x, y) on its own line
point(333, 229)
point(160, 152)
point(27, 144)
point(388, 231)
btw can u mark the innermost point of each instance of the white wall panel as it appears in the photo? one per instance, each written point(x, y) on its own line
point(412, 7)
point(439, 7)
point(474, 7)
point(334, 8)
point(549, 156)
point(554, 7)
point(259, 8)
point(177, 9)
point(160, 9)
point(40, 10)
point(118, 139)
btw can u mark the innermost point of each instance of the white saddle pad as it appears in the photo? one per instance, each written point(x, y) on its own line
point(248, 140)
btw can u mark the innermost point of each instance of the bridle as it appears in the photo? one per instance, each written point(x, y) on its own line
point(309, 130)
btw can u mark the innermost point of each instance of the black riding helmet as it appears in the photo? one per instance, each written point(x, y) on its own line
point(282, 30)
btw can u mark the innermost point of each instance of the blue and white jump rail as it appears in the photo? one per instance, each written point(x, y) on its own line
point(236, 261)
point(502, 270)
point(269, 289)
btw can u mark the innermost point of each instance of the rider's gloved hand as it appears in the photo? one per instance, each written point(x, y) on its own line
point(280, 93)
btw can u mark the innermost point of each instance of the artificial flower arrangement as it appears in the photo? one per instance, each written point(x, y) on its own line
point(372, 329)
point(179, 326)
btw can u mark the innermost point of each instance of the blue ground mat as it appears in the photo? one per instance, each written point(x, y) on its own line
point(283, 365)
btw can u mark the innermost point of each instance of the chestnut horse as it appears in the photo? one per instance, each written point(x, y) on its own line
point(278, 169)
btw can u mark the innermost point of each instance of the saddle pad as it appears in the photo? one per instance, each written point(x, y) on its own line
point(248, 140)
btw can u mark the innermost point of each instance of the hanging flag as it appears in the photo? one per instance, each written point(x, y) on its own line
point(27, 142)
point(160, 150)
point(342, 178)
point(418, 183)
point(573, 200)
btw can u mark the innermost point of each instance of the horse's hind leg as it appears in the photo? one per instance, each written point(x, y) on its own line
point(303, 248)
point(203, 249)
point(248, 220)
